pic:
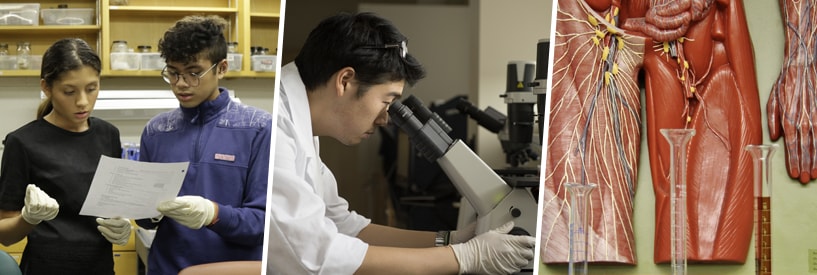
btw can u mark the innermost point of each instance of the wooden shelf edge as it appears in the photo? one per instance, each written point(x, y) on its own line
point(265, 15)
point(245, 74)
point(145, 74)
point(116, 73)
point(231, 74)
point(33, 73)
point(170, 9)
point(50, 29)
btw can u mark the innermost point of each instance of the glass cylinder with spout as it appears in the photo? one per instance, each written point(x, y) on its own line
point(678, 140)
point(761, 154)
point(579, 202)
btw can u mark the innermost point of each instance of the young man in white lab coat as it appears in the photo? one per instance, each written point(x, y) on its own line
point(351, 68)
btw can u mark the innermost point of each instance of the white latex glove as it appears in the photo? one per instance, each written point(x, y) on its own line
point(463, 235)
point(116, 230)
point(495, 252)
point(190, 211)
point(39, 206)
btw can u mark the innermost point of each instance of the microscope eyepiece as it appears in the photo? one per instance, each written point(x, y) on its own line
point(424, 114)
point(427, 135)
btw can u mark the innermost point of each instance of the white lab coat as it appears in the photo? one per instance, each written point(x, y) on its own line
point(311, 229)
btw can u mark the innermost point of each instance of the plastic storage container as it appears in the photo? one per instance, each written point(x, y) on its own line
point(264, 63)
point(8, 62)
point(22, 14)
point(68, 17)
point(125, 61)
point(151, 61)
point(35, 62)
point(234, 61)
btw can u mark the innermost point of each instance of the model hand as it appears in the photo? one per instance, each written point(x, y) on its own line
point(190, 211)
point(495, 252)
point(789, 116)
point(463, 235)
point(116, 230)
point(39, 206)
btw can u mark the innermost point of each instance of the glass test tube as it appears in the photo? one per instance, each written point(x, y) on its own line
point(678, 139)
point(579, 198)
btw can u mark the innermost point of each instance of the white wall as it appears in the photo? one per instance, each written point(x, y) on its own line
point(441, 41)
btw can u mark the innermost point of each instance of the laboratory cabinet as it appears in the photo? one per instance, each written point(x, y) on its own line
point(251, 23)
point(125, 260)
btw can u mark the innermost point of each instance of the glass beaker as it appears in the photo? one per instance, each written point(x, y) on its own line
point(578, 227)
point(762, 206)
point(678, 139)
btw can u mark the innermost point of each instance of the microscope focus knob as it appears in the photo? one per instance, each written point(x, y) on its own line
point(515, 212)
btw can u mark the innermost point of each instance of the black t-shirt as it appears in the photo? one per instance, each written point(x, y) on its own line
point(62, 164)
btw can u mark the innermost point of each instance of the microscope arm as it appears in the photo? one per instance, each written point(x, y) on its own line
point(477, 182)
point(493, 201)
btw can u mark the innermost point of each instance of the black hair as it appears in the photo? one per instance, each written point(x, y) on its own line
point(65, 55)
point(357, 41)
point(193, 34)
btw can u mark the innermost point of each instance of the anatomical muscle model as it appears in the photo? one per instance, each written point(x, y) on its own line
point(698, 74)
point(594, 132)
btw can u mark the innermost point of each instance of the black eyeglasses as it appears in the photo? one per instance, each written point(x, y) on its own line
point(194, 80)
point(401, 46)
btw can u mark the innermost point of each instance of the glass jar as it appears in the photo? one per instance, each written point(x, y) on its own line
point(264, 51)
point(23, 53)
point(144, 48)
point(4, 49)
point(232, 47)
point(119, 46)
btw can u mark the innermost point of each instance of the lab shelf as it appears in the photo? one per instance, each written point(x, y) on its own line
point(142, 22)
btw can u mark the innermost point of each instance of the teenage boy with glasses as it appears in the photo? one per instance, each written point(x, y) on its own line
point(219, 212)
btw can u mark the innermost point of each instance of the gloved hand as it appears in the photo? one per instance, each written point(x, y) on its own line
point(116, 230)
point(39, 206)
point(495, 252)
point(463, 235)
point(190, 211)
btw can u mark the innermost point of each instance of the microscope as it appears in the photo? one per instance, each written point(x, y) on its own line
point(516, 130)
point(490, 197)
